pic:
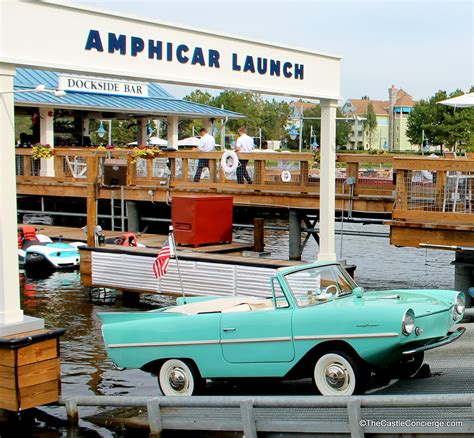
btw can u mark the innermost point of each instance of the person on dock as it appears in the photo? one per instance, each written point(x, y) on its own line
point(206, 144)
point(244, 144)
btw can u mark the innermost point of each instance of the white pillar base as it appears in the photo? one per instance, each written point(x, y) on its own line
point(327, 186)
point(28, 323)
point(327, 257)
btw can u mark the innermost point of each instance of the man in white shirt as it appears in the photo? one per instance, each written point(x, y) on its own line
point(244, 144)
point(206, 144)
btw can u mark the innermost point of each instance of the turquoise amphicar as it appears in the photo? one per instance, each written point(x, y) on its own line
point(316, 322)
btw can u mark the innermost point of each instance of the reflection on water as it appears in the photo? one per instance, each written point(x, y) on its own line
point(61, 301)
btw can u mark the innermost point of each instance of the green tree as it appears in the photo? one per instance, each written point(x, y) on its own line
point(185, 128)
point(343, 127)
point(370, 122)
point(274, 118)
point(443, 125)
point(199, 96)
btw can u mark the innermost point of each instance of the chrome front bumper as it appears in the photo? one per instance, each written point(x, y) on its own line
point(450, 337)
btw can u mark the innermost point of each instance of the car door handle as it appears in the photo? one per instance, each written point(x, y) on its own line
point(229, 329)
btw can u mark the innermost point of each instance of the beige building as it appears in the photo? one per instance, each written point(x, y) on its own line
point(392, 116)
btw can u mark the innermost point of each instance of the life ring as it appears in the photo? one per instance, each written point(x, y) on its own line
point(226, 167)
point(286, 176)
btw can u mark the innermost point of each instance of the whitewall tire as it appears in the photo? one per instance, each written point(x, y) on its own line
point(177, 378)
point(337, 373)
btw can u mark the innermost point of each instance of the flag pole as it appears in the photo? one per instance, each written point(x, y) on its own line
point(175, 254)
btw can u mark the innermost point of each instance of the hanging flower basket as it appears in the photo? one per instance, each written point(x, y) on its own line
point(145, 152)
point(316, 160)
point(42, 151)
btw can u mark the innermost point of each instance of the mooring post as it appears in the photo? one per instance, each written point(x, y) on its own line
point(294, 224)
point(132, 216)
point(463, 266)
point(258, 234)
point(92, 173)
point(72, 411)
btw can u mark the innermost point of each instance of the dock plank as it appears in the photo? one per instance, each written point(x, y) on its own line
point(71, 234)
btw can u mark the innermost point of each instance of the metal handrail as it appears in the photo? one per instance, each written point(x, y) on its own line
point(247, 404)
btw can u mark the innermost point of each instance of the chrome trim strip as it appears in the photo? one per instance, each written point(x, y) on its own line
point(253, 340)
point(210, 342)
point(163, 344)
point(355, 336)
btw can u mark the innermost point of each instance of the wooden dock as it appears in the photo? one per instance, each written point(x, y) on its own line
point(172, 175)
point(71, 234)
point(432, 201)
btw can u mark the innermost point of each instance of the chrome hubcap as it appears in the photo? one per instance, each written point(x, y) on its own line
point(178, 379)
point(337, 376)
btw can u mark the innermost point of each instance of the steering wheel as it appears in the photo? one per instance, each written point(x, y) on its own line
point(335, 287)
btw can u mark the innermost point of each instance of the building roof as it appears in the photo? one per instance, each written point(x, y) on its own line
point(381, 107)
point(159, 102)
point(303, 106)
point(404, 99)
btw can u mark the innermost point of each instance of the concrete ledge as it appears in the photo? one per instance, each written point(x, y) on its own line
point(28, 324)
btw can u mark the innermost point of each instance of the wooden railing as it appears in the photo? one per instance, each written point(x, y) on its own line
point(372, 173)
point(436, 190)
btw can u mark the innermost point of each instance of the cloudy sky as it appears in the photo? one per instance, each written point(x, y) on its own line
point(421, 46)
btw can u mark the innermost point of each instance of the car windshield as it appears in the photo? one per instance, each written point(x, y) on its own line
point(320, 284)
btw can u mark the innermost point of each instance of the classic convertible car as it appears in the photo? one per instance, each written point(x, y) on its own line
point(317, 323)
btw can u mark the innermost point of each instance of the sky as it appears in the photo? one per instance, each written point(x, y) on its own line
point(421, 46)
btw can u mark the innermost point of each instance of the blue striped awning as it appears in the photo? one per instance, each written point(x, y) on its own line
point(159, 102)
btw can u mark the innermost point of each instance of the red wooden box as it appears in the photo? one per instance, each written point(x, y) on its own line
point(199, 220)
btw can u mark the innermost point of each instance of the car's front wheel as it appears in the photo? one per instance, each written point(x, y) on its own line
point(338, 373)
point(178, 378)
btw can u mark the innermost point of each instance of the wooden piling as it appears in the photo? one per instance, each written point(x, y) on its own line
point(258, 234)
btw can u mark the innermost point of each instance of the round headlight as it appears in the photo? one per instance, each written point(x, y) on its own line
point(459, 306)
point(408, 323)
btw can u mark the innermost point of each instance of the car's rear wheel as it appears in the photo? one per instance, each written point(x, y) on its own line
point(179, 378)
point(338, 373)
point(409, 368)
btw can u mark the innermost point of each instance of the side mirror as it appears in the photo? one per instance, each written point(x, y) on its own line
point(359, 291)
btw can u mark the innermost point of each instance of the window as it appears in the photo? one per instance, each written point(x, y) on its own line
point(318, 285)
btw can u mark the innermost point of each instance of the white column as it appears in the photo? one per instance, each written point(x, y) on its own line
point(47, 137)
point(327, 196)
point(12, 319)
point(86, 126)
point(141, 131)
point(173, 132)
point(207, 125)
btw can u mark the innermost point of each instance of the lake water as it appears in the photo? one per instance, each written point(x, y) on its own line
point(86, 370)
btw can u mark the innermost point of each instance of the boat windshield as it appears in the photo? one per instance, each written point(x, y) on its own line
point(320, 284)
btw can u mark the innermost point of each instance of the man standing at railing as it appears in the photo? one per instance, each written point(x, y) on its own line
point(206, 144)
point(244, 144)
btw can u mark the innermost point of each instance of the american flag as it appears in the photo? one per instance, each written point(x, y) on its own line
point(160, 265)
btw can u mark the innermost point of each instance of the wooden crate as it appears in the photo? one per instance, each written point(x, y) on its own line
point(30, 373)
